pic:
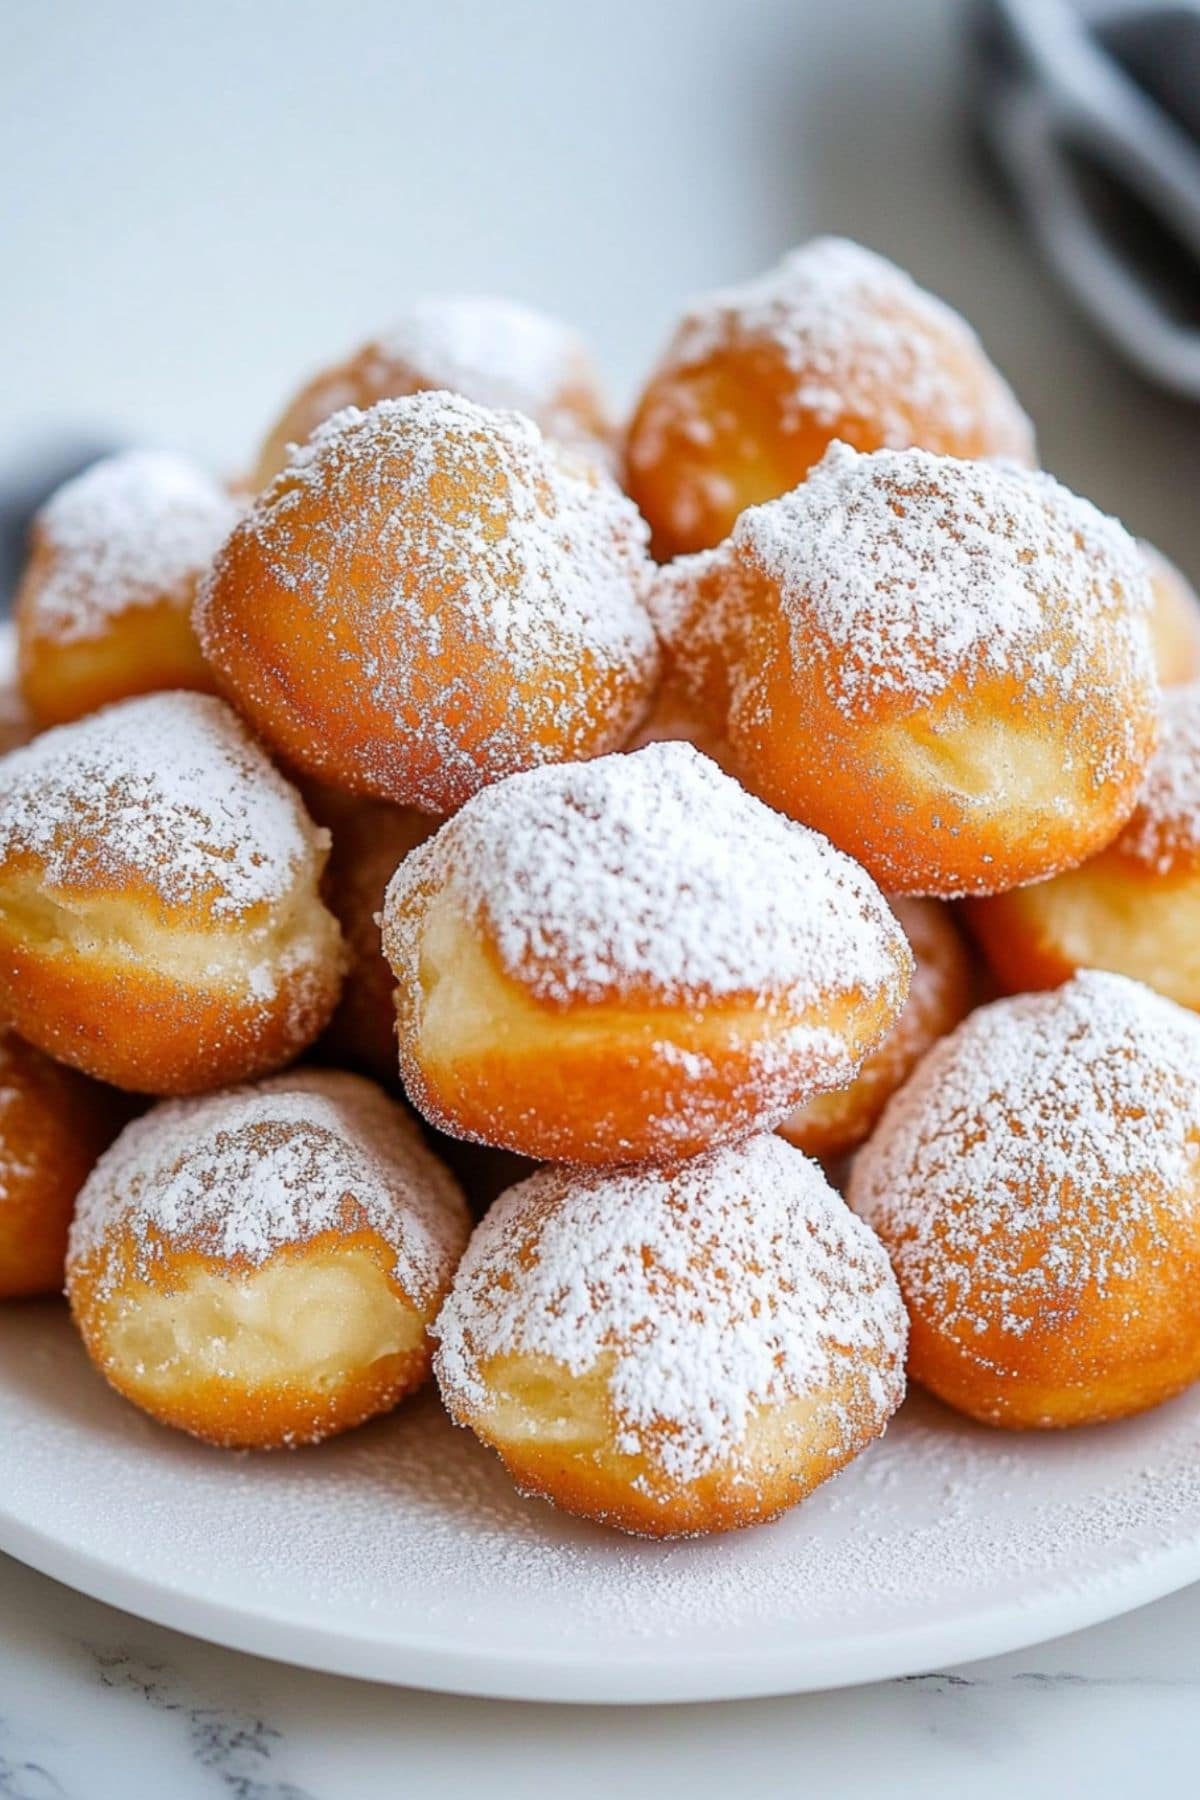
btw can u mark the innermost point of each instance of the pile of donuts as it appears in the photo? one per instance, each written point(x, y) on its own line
point(769, 834)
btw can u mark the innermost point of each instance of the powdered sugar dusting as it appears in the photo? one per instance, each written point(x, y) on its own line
point(131, 531)
point(654, 871)
point(1165, 827)
point(902, 570)
point(238, 1175)
point(495, 352)
point(550, 551)
point(408, 1539)
point(454, 532)
point(863, 342)
point(169, 789)
point(718, 1286)
point(1069, 1119)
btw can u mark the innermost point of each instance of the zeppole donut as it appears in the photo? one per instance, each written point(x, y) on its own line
point(674, 1350)
point(1134, 908)
point(160, 921)
point(944, 666)
point(1037, 1186)
point(260, 1267)
point(53, 1125)
point(430, 597)
point(104, 607)
point(835, 342)
point(1174, 620)
point(631, 960)
point(495, 352)
point(370, 841)
point(833, 1124)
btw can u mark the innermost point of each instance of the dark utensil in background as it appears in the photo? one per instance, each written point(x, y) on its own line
point(1092, 114)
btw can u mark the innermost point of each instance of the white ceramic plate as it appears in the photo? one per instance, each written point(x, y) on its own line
point(402, 1553)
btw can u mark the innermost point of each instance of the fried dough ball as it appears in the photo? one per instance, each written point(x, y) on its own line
point(1037, 1186)
point(835, 342)
point(632, 960)
point(53, 1126)
point(945, 666)
point(495, 352)
point(833, 1124)
point(261, 1267)
point(1174, 621)
point(370, 841)
point(430, 597)
point(1135, 908)
point(679, 1350)
point(104, 607)
point(160, 921)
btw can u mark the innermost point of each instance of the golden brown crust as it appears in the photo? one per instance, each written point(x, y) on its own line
point(491, 351)
point(833, 1124)
point(152, 1033)
point(619, 1490)
point(1037, 1187)
point(103, 610)
point(531, 644)
point(990, 734)
point(260, 1267)
point(1135, 907)
point(834, 344)
point(53, 1126)
point(577, 981)
point(161, 926)
point(601, 1085)
point(370, 841)
point(674, 1351)
point(143, 652)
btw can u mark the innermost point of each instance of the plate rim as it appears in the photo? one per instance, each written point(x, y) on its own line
point(429, 1663)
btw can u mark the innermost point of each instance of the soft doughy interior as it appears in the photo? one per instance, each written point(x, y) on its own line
point(982, 789)
point(598, 1083)
point(315, 1321)
point(1112, 914)
point(239, 958)
point(471, 1007)
point(1012, 763)
point(558, 1435)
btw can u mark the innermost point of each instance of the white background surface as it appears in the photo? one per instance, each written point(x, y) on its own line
point(201, 202)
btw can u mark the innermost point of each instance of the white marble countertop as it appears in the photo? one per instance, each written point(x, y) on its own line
point(95, 1705)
